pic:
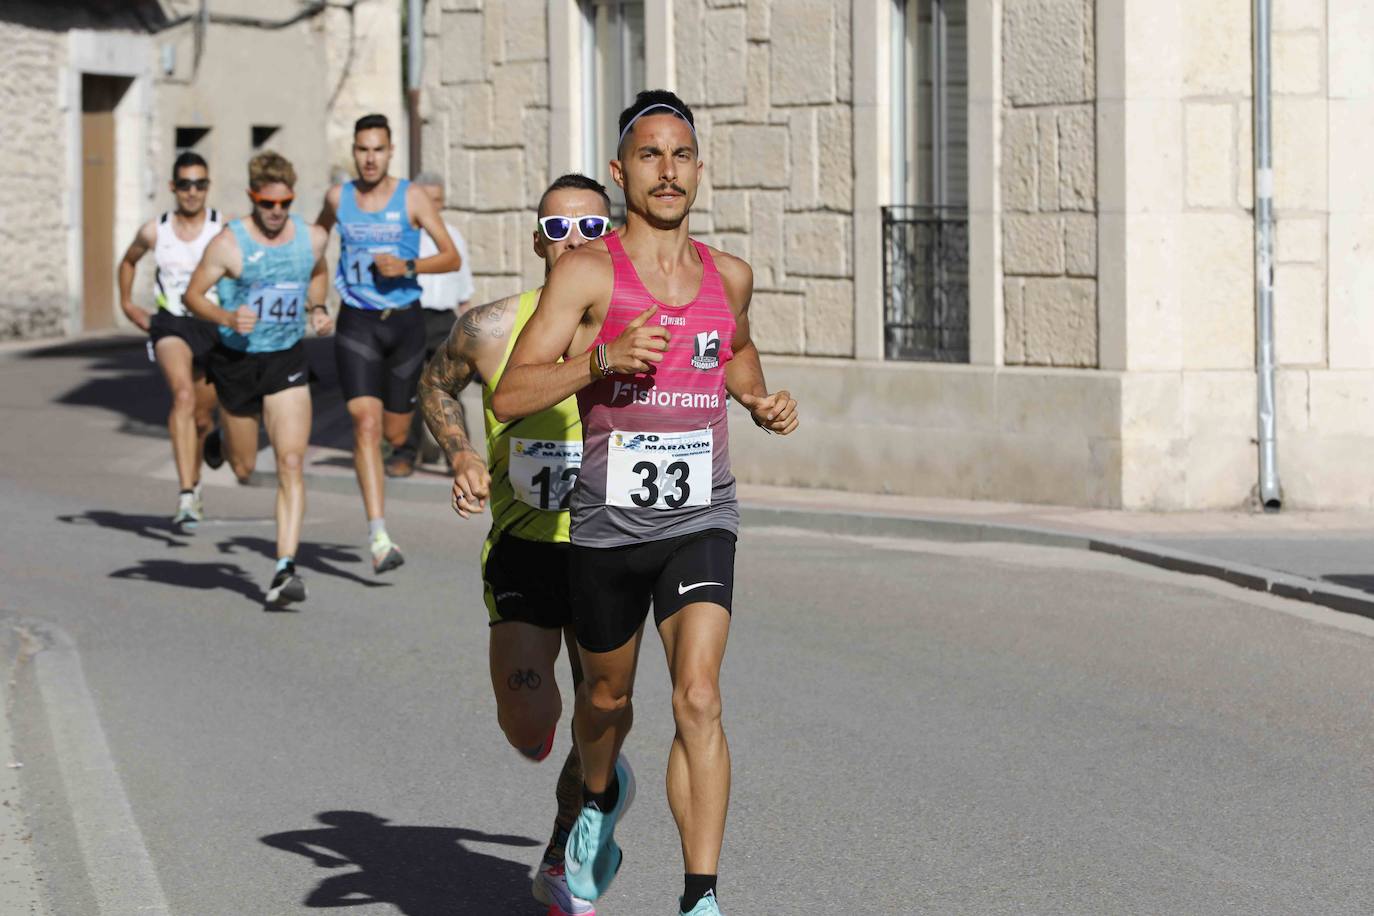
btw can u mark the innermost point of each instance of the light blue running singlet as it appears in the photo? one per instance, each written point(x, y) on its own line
point(275, 280)
point(363, 234)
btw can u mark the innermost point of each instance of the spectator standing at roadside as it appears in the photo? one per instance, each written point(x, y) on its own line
point(443, 297)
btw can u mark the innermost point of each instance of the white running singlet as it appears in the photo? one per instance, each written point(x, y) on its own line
point(176, 260)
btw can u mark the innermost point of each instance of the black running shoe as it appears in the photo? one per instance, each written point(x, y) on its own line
point(213, 452)
point(286, 586)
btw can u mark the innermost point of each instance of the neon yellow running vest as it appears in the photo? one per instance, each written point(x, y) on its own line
point(529, 458)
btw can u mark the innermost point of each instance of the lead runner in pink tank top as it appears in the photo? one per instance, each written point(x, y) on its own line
point(649, 328)
point(686, 485)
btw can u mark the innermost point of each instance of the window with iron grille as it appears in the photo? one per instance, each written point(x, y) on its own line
point(925, 231)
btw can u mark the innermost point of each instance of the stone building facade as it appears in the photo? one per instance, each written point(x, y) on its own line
point(1105, 152)
point(250, 75)
point(1111, 265)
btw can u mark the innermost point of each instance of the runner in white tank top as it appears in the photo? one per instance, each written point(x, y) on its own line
point(652, 329)
point(177, 342)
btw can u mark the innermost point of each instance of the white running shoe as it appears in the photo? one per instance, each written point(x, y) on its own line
point(190, 511)
point(551, 887)
point(385, 554)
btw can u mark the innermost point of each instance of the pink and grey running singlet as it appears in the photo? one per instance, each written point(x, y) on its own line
point(656, 459)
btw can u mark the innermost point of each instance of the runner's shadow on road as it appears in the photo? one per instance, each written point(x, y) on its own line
point(1362, 581)
point(314, 557)
point(152, 527)
point(422, 871)
point(200, 576)
point(120, 378)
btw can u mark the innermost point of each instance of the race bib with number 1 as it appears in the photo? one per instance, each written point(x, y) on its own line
point(543, 472)
point(659, 470)
point(360, 269)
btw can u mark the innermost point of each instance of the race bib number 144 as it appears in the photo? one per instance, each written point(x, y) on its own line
point(659, 470)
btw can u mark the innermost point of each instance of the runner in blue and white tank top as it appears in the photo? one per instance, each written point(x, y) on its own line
point(178, 343)
point(272, 280)
point(380, 347)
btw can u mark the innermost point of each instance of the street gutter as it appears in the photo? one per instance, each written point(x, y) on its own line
point(426, 486)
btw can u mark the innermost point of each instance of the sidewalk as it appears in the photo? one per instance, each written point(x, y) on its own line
point(1325, 558)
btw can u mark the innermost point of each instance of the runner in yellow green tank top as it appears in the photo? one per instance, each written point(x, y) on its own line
point(527, 478)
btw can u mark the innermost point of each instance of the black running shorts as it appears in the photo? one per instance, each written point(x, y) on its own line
point(612, 586)
point(242, 379)
point(380, 354)
point(437, 327)
point(200, 336)
point(526, 581)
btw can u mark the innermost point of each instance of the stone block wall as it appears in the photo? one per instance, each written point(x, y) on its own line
point(1049, 182)
point(769, 83)
point(486, 112)
point(33, 181)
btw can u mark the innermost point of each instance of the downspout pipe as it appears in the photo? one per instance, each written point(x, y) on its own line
point(1269, 492)
point(415, 44)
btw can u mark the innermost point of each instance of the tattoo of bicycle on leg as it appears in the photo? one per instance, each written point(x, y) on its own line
point(527, 678)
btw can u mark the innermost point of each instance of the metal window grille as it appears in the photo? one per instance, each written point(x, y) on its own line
point(925, 283)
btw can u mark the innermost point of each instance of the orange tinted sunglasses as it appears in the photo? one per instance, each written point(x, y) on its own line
point(272, 203)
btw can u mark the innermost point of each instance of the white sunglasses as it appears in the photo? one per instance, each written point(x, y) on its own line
point(556, 228)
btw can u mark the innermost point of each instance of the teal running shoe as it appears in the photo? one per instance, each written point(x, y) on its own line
point(592, 856)
point(706, 906)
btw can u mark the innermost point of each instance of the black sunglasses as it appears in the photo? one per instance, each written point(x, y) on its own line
point(556, 228)
point(186, 184)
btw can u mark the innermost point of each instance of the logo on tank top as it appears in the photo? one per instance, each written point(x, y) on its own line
point(393, 216)
point(706, 350)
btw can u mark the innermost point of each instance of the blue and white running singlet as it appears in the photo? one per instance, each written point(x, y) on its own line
point(275, 280)
point(362, 235)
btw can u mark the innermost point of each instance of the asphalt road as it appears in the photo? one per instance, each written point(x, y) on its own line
point(917, 727)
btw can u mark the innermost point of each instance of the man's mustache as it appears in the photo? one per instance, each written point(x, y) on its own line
point(667, 187)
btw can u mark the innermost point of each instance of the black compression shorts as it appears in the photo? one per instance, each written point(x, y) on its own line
point(200, 336)
point(612, 586)
point(526, 581)
point(380, 354)
point(242, 379)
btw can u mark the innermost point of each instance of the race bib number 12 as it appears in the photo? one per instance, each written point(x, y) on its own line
point(543, 471)
point(659, 470)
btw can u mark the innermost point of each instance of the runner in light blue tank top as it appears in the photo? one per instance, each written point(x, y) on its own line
point(274, 280)
point(363, 234)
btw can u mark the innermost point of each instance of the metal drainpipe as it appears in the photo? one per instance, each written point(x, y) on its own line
point(415, 41)
point(1269, 492)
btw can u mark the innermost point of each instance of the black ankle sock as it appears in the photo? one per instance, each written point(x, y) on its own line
point(188, 493)
point(604, 801)
point(694, 888)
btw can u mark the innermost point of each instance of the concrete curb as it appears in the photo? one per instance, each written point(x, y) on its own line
point(1282, 585)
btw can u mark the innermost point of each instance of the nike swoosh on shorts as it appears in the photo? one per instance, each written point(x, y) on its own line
point(292, 378)
point(684, 589)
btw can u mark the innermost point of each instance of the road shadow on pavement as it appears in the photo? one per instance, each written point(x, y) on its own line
point(152, 527)
point(1362, 581)
point(116, 375)
point(310, 557)
point(422, 871)
point(200, 576)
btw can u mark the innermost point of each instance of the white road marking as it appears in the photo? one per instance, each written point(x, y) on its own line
point(117, 862)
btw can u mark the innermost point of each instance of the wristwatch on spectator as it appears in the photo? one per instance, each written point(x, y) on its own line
point(410, 268)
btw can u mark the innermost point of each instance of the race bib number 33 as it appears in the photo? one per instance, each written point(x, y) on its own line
point(543, 472)
point(659, 470)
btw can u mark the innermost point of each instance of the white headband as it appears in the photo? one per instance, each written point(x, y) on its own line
point(663, 106)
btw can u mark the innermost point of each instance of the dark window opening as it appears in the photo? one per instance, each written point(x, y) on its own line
point(188, 137)
point(262, 133)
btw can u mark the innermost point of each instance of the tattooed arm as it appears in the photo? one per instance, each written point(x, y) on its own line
point(454, 365)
